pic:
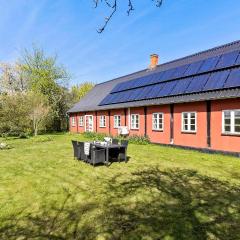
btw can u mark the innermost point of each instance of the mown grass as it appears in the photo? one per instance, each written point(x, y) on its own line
point(161, 193)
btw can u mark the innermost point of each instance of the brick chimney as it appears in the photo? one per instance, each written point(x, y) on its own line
point(153, 61)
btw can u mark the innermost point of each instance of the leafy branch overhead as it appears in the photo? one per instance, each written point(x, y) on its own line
point(113, 5)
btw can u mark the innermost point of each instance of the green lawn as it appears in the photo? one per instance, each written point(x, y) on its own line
point(161, 193)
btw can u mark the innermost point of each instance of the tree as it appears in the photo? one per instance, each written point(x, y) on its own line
point(45, 76)
point(79, 91)
point(38, 111)
point(14, 114)
point(12, 79)
point(113, 5)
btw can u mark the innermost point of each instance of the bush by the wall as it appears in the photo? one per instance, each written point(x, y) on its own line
point(143, 140)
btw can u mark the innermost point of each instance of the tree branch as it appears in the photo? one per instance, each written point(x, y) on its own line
point(113, 7)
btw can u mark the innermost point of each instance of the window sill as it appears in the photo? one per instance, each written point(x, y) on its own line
point(102, 127)
point(185, 132)
point(157, 130)
point(134, 129)
point(231, 134)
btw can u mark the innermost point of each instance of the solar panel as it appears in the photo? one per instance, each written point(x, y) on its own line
point(180, 71)
point(227, 60)
point(181, 86)
point(168, 74)
point(166, 88)
point(233, 79)
point(197, 83)
point(238, 60)
point(193, 68)
point(209, 64)
point(216, 80)
point(154, 91)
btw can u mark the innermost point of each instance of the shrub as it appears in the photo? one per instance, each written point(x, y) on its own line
point(95, 136)
point(141, 140)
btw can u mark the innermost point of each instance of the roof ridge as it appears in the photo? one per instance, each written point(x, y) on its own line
point(176, 60)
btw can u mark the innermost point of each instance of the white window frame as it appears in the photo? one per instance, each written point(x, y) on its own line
point(189, 122)
point(102, 121)
point(117, 121)
point(159, 115)
point(232, 122)
point(74, 121)
point(81, 121)
point(134, 121)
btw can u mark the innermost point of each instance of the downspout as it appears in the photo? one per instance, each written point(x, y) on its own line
point(109, 122)
point(96, 121)
point(145, 121)
point(208, 105)
point(172, 124)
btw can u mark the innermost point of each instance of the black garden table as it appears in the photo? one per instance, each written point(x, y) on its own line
point(110, 146)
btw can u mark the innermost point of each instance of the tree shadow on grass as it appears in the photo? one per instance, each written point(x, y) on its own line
point(151, 204)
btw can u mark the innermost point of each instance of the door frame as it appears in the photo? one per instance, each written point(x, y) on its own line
point(85, 120)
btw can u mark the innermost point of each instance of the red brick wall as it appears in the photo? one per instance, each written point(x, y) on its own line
point(103, 129)
point(198, 139)
point(159, 136)
point(141, 130)
point(219, 141)
point(120, 112)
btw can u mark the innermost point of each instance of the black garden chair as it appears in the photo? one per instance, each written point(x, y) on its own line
point(97, 156)
point(122, 156)
point(76, 150)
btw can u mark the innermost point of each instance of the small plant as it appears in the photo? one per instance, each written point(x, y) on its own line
point(95, 136)
point(23, 135)
point(141, 140)
point(4, 146)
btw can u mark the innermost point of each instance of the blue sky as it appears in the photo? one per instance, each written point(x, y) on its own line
point(68, 28)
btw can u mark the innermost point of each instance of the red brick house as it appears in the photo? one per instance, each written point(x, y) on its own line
point(190, 102)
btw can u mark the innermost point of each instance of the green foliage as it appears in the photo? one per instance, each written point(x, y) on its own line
point(95, 136)
point(14, 114)
point(79, 91)
point(135, 139)
point(141, 140)
point(46, 77)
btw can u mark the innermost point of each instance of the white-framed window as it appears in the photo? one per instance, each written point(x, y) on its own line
point(134, 121)
point(73, 121)
point(117, 121)
point(189, 122)
point(157, 121)
point(80, 121)
point(231, 121)
point(102, 121)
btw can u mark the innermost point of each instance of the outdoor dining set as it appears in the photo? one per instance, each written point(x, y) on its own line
point(101, 151)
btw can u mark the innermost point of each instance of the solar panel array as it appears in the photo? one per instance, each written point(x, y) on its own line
point(220, 72)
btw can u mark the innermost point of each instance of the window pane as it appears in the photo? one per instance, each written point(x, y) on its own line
point(227, 128)
point(185, 127)
point(237, 114)
point(237, 129)
point(227, 121)
point(237, 121)
point(227, 114)
point(192, 127)
point(193, 121)
point(192, 115)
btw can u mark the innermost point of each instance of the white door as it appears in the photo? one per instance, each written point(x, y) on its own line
point(88, 123)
